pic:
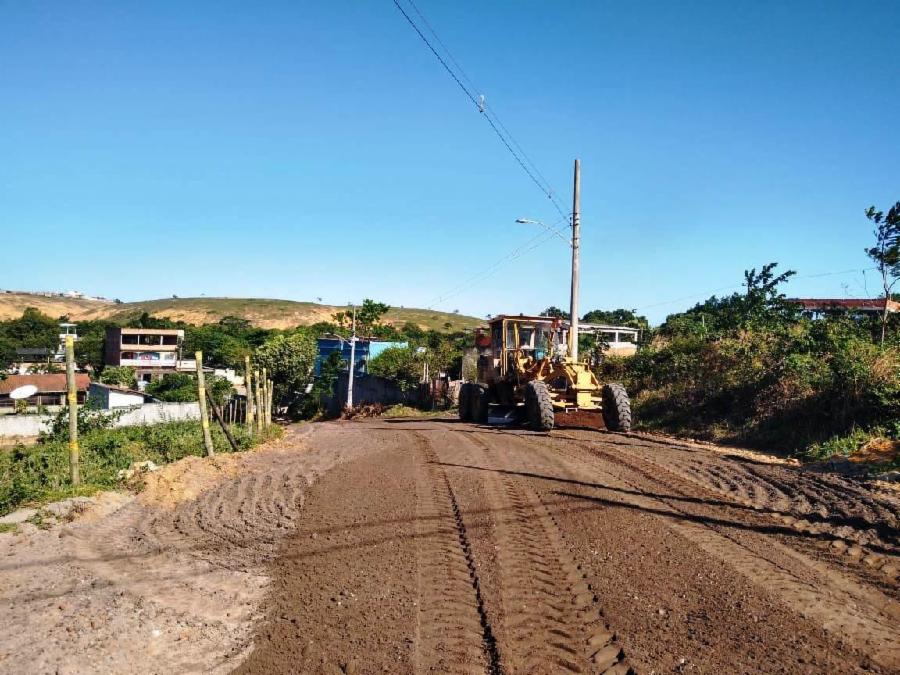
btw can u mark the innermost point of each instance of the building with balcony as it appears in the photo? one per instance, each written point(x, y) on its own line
point(152, 352)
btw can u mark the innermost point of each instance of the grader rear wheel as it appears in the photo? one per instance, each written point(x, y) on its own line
point(481, 399)
point(616, 407)
point(465, 402)
point(539, 406)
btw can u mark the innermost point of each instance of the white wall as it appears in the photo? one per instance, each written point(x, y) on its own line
point(119, 399)
point(150, 413)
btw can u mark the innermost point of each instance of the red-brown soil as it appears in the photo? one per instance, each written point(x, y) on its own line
point(451, 548)
point(414, 546)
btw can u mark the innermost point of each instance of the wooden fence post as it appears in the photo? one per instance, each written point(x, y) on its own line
point(271, 399)
point(72, 389)
point(248, 405)
point(204, 415)
point(265, 397)
point(257, 407)
point(225, 429)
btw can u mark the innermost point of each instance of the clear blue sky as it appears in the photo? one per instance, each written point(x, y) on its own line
point(303, 150)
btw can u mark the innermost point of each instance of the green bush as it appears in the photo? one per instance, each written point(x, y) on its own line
point(751, 370)
point(122, 376)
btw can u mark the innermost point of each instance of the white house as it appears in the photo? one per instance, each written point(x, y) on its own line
point(108, 396)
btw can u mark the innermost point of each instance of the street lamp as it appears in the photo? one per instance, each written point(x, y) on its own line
point(529, 221)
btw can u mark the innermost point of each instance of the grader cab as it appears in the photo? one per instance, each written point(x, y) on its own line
point(525, 374)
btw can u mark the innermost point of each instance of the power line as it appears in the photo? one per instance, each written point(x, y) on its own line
point(545, 189)
point(536, 241)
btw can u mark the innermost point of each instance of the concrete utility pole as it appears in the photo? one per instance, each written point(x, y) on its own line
point(352, 362)
point(204, 415)
point(576, 243)
point(74, 458)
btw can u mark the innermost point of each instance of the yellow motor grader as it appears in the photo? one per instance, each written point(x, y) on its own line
point(525, 374)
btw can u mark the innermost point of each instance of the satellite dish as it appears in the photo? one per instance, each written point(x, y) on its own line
point(23, 392)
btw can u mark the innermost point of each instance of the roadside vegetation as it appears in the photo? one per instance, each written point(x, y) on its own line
point(40, 473)
point(749, 368)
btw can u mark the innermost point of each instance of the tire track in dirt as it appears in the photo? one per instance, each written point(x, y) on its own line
point(550, 620)
point(850, 612)
point(450, 626)
point(841, 505)
point(826, 541)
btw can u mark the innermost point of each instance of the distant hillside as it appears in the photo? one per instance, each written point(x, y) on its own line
point(262, 312)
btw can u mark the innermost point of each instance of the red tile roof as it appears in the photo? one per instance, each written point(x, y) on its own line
point(50, 383)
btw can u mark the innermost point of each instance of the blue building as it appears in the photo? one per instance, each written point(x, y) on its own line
point(365, 350)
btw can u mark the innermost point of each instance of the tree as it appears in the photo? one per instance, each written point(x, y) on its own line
point(617, 317)
point(173, 387)
point(33, 329)
point(555, 312)
point(762, 305)
point(368, 317)
point(288, 359)
point(122, 376)
point(401, 365)
point(886, 253)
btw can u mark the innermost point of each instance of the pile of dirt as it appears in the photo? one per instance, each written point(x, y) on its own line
point(363, 411)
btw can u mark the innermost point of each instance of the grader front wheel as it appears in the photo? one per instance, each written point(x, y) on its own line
point(539, 406)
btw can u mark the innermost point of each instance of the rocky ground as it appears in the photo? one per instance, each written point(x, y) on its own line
point(435, 546)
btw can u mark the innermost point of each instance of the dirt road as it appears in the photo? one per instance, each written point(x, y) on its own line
point(434, 546)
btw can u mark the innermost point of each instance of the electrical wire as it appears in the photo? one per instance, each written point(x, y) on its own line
point(548, 188)
point(526, 247)
point(520, 156)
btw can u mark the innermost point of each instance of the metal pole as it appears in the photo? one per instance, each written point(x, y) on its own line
point(576, 243)
point(74, 468)
point(352, 362)
point(204, 415)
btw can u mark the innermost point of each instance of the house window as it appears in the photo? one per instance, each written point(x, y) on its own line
point(130, 339)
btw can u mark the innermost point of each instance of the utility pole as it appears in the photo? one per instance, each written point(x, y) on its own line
point(352, 362)
point(74, 459)
point(576, 243)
